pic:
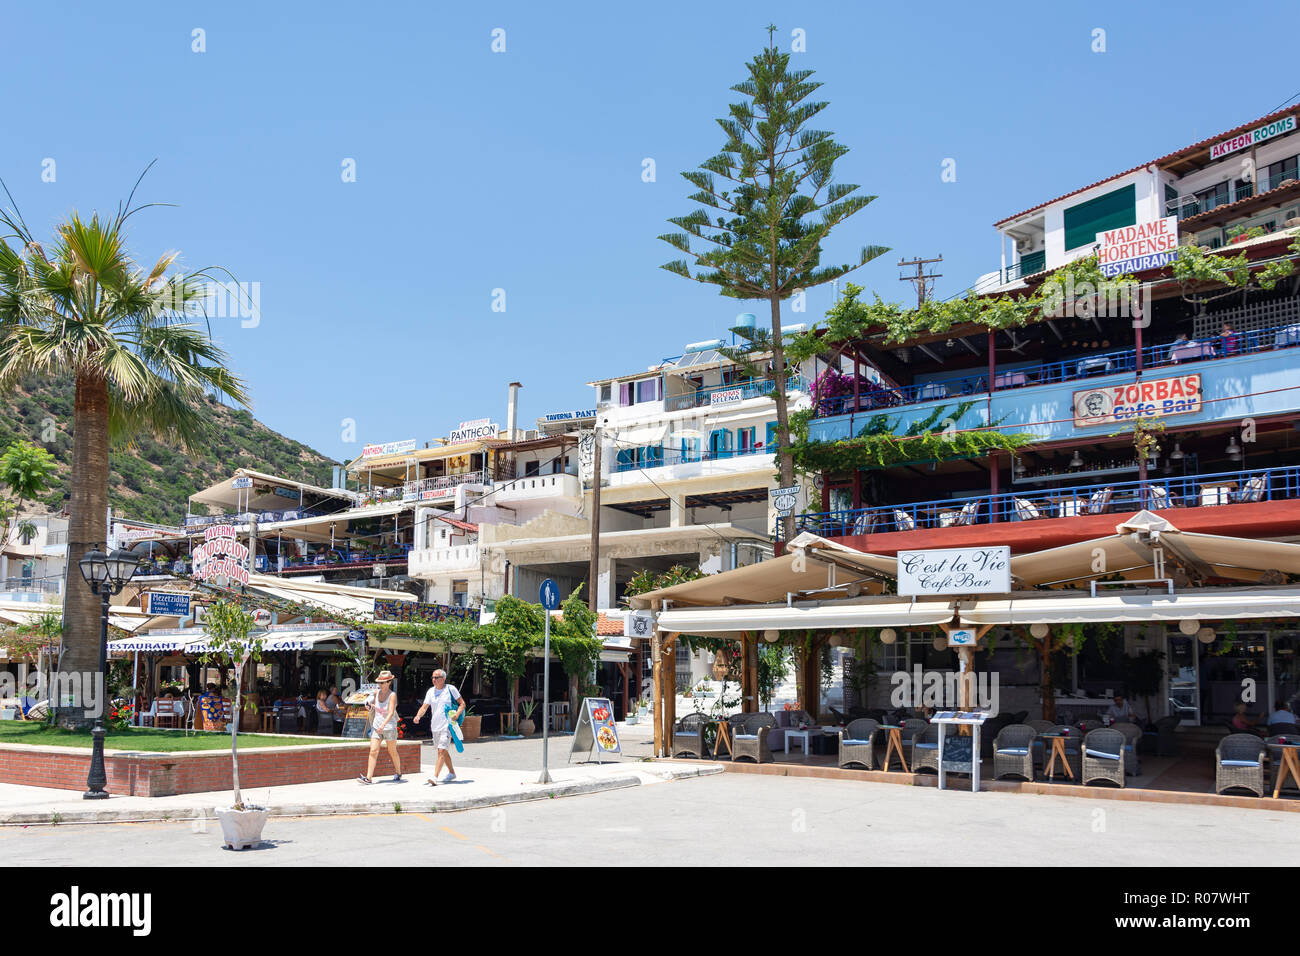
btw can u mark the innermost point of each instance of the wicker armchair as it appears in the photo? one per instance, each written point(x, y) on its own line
point(1291, 737)
point(1104, 756)
point(925, 748)
point(857, 743)
point(1167, 735)
point(1239, 762)
point(1132, 735)
point(749, 737)
point(1039, 746)
point(688, 736)
point(1013, 751)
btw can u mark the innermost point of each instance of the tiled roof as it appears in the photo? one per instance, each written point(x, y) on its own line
point(1176, 154)
point(608, 626)
point(1258, 199)
point(457, 523)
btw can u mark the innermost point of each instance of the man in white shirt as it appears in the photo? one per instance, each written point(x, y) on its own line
point(1120, 711)
point(436, 700)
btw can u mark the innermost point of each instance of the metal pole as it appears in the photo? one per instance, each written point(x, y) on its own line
point(97, 779)
point(593, 600)
point(546, 695)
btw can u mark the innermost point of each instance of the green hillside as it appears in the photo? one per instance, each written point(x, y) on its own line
point(151, 480)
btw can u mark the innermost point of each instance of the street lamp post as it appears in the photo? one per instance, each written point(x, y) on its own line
point(106, 574)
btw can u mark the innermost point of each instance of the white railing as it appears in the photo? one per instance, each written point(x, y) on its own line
point(462, 557)
point(444, 486)
point(540, 486)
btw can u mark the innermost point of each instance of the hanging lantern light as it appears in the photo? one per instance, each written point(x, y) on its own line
point(1039, 631)
point(1189, 626)
point(1233, 450)
point(836, 640)
point(1205, 635)
point(1076, 460)
point(940, 643)
point(888, 636)
point(1177, 453)
point(771, 635)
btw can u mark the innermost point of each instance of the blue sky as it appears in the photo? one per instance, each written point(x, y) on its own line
point(522, 170)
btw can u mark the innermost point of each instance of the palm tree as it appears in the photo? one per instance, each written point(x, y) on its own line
point(85, 308)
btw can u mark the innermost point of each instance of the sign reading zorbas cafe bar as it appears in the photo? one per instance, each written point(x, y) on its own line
point(1151, 398)
point(955, 571)
point(220, 555)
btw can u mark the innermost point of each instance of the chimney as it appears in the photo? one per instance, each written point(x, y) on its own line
point(512, 410)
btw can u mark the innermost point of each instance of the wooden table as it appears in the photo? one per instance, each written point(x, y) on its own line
point(1287, 763)
point(1058, 748)
point(506, 720)
point(894, 742)
point(723, 740)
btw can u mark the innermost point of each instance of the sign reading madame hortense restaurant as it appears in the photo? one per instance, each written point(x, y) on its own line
point(955, 571)
point(1150, 398)
point(221, 555)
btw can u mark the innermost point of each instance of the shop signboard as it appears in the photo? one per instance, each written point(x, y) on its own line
point(961, 637)
point(391, 609)
point(241, 483)
point(573, 416)
point(1147, 245)
point(220, 555)
point(784, 500)
point(726, 396)
point(1149, 398)
point(1252, 137)
point(473, 431)
point(166, 603)
point(955, 571)
point(596, 729)
point(388, 448)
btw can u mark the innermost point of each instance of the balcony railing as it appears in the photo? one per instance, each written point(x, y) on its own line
point(752, 388)
point(1155, 494)
point(344, 556)
point(1027, 266)
point(665, 458)
point(32, 585)
point(244, 517)
point(873, 396)
point(444, 486)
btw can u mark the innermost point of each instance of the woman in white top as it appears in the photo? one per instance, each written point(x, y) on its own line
point(383, 727)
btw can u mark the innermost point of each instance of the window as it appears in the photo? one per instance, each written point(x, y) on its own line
point(690, 449)
point(745, 440)
point(1213, 197)
point(459, 593)
point(532, 468)
point(769, 442)
point(625, 393)
point(720, 443)
point(1281, 171)
point(647, 390)
point(1111, 211)
point(606, 392)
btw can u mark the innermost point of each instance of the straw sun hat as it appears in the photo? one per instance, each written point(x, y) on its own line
point(384, 676)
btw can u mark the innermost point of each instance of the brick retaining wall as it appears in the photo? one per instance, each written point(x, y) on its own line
point(164, 774)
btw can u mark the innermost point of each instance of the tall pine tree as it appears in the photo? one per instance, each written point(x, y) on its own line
point(769, 201)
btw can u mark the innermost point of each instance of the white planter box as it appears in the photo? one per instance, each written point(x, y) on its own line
point(242, 828)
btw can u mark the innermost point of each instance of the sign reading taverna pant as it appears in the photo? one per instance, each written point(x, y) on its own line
point(955, 571)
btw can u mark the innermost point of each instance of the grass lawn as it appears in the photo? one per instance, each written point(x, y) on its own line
point(136, 738)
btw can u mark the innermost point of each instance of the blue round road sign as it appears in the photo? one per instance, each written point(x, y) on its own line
point(550, 595)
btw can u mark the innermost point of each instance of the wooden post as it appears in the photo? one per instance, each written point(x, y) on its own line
point(670, 691)
point(747, 690)
point(656, 671)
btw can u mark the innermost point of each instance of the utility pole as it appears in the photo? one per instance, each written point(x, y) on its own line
point(595, 520)
point(924, 281)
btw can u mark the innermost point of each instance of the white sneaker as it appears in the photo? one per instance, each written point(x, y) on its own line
point(449, 778)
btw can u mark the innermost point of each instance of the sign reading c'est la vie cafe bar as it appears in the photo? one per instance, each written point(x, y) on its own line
point(955, 571)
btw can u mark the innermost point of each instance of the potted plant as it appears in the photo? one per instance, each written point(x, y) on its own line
point(526, 726)
point(231, 638)
point(471, 725)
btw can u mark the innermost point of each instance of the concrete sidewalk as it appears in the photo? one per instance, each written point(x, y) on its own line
point(474, 788)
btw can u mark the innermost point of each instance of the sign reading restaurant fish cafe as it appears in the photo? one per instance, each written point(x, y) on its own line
point(220, 555)
point(1151, 398)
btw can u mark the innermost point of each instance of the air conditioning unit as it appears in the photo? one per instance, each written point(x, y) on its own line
point(532, 433)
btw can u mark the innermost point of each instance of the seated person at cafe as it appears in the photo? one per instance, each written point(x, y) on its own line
point(336, 704)
point(1227, 340)
point(1242, 723)
point(1282, 715)
point(324, 710)
point(1120, 711)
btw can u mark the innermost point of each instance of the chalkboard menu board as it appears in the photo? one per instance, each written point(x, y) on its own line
point(356, 722)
